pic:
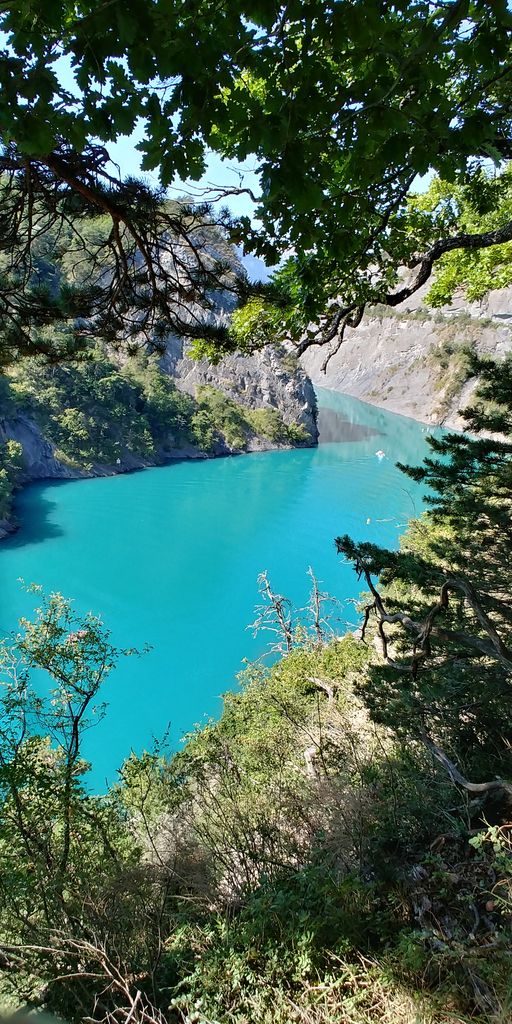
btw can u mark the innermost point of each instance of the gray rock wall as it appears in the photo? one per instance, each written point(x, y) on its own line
point(39, 458)
point(392, 358)
point(270, 379)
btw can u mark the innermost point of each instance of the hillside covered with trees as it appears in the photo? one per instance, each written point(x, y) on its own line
point(99, 416)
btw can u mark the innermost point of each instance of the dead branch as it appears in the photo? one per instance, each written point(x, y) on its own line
point(275, 616)
point(322, 684)
point(423, 631)
point(456, 776)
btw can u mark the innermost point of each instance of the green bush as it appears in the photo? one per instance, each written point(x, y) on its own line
point(242, 880)
point(268, 423)
point(221, 418)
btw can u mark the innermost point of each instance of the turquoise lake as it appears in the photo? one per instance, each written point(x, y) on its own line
point(170, 557)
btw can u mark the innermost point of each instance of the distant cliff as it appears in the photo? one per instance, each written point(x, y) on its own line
point(414, 359)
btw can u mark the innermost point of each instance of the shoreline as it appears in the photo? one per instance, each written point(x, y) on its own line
point(12, 525)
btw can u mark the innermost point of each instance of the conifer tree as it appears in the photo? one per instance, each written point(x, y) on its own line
point(443, 606)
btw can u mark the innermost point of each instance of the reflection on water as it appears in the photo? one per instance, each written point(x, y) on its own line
point(334, 428)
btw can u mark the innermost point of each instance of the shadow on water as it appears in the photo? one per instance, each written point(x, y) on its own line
point(36, 514)
point(35, 511)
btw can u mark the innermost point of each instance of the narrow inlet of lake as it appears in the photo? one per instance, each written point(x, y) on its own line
point(170, 557)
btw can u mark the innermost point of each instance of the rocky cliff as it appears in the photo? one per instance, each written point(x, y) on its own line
point(270, 379)
point(414, 359)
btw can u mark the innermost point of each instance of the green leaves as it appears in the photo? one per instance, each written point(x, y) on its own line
point(340, 106)
point(483, 203)
point(127, 25)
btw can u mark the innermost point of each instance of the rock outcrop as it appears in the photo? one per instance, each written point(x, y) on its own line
point(39, 459)
point(270, 379)
point(411, 360)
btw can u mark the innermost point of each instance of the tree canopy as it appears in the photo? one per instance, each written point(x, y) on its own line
point(342, 105)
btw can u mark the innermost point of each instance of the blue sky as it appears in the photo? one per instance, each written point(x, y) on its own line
point(220, 173)
point(126, 160)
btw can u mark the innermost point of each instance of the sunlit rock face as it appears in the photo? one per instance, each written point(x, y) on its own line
point(270, 379)
point(410, 359)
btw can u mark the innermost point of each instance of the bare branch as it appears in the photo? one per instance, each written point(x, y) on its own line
point(457, 777)
point(444, 245)
point(335, 323)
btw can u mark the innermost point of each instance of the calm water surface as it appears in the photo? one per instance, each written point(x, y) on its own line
point(170, 557)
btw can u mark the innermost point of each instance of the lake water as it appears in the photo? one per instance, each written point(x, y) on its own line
point(170, 557)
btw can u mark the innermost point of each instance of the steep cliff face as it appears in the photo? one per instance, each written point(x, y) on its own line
point(270, 379)
point(413, 359)
point(39, 459)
